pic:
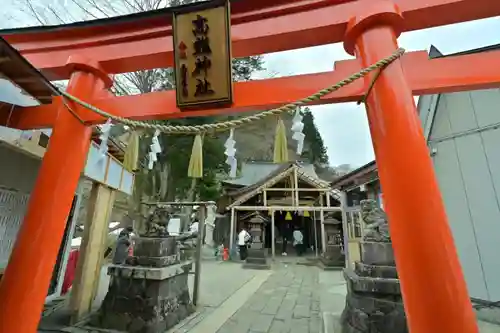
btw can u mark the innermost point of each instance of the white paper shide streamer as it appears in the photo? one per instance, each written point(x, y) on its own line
point(297, 128)
point(154, 150)
point(104, 138)
point(230, 153)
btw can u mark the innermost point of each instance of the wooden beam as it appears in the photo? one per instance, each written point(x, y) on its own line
point(343, 205)
point(232, 230)
point(146, 43)
point(425, 76)
point(88, 269)
point(322, 225)
point(295, 186)
point(289, 208)
point(299, 189)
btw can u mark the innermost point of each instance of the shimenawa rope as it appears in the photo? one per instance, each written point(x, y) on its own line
point(226, 125)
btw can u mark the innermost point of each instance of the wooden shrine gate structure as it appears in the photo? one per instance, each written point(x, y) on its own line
point(435, 294)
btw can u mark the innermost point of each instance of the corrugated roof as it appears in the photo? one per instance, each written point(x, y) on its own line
point(363, 170)
point(254, 172)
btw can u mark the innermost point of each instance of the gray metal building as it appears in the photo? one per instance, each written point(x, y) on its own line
point(464, 140)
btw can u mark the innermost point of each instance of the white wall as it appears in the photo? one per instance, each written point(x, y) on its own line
point(17, 177)
point(465, 137)
point(17, 170)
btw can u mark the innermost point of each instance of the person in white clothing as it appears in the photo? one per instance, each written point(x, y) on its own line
point(243, 239)
point(193, 228)
point(298, 239)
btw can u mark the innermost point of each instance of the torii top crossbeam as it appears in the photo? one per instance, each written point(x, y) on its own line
point(433, 287)
point(144, 41)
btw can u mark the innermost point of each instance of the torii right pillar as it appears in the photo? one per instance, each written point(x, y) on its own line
point(433, 286)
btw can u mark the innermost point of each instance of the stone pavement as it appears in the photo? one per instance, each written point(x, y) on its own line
point(291, 298)
point(288, 302)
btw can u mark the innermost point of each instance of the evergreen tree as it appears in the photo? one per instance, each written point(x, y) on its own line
point(315, 151)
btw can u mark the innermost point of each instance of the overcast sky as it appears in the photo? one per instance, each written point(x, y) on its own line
point(344, 127)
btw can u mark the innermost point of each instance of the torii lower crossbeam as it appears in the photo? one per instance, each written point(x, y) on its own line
point(424, 76)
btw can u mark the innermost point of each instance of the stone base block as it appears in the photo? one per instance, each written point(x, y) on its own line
point(256, 259)
point(155, 247)
point(150, 273)
point(145, 300)
point(387, 316)
point(373, 303)
point(388, 272)
point(375, 286)
point(377, 253)
point(249, 265)
point(157, 261)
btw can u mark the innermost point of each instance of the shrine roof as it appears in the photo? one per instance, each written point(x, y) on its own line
point(252, 172)
point(23, 85)
point(354, 175)
point(20, 83)
point(305, 173)
point(435, 53)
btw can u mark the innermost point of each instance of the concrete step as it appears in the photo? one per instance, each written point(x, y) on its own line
point(261, 261)
point(256, 266)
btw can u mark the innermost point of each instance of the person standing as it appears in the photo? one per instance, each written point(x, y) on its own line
point(298, 240)
point(243, 239)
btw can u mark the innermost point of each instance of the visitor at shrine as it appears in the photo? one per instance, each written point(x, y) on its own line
point(243, 239)
point(298, 240)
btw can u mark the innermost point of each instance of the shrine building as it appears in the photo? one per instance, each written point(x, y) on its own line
point(284, 196)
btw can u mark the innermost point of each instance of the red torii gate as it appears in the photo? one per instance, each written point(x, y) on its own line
point(435, 294)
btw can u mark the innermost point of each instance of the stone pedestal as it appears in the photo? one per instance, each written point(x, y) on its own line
point(150, 294)
point(332, 258)
point(373, 302)
point(257, 258)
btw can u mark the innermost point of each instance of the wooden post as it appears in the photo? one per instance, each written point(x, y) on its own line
point(424, 248)
point(67, 249)
point(315, 234)
point(296, 186)
point(231, 231)
point(343, 205)
point(102, 250)
point(199, 245)
point(322, 220)
point(273, 246)
point(28, 274)
point(88, 270)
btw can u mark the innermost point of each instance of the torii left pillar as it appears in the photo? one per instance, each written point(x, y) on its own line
point(24, 286)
